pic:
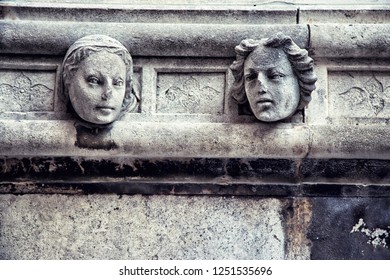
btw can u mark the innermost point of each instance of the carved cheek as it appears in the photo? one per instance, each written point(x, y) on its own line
point(251, 88)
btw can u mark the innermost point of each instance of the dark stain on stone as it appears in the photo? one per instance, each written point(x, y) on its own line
point(373, 170)
point(278, 169)
point(333, 219)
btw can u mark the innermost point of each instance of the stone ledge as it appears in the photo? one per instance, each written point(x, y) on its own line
point(156, 140)
point(197, 140)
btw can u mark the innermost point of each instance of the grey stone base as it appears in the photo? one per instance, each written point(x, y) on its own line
point(139, 227)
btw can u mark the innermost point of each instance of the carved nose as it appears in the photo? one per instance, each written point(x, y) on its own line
point(262, 85)
point(106, 93)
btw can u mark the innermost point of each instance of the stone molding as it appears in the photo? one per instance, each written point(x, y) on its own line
point(170, 40)
point(325, 40)
point(199, 140)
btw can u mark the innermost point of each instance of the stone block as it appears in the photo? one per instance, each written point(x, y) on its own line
point(139, 227)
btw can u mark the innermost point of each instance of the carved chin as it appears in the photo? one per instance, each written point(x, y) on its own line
point(271, 115)
point(105, 118)
point(267, 117)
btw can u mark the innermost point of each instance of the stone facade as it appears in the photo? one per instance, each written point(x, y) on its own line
point(188, 172)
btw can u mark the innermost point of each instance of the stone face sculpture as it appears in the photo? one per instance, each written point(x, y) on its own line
point(274, 76)
point(97, 79)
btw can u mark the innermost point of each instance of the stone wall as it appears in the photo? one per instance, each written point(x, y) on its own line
point(195, 176)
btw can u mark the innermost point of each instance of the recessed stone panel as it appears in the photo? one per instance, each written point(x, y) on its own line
point(359, 94)
point(190, 93)
point(26, 90)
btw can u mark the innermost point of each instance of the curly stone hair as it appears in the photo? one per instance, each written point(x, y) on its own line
point(87, 45)
point(300, 61)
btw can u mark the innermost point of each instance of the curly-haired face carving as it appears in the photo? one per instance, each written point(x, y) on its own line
point(97, 79)
point(271, 87)
point(274, 76)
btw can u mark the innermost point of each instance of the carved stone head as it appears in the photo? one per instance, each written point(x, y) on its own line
point(274, 76)
point(97, 79)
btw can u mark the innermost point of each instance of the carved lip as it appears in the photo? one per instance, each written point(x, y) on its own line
point(265, 100)
point(105, 108)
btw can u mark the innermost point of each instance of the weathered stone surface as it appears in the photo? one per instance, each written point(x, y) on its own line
point(97, 75)
point(345, 14)
point(139, 227)
point(347, 171)
point(274, 76)
point(189, 147)
point(225, 2)
point(350, 141)
point(26, 91)
point(158, 12)
point(153, 140)
point(350, 40)
point(350, 228)
point(202, 170)
point(191, 93)
point(19, 37)
point(359, 95)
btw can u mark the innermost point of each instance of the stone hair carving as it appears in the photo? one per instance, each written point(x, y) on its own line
point(97, 79)
point(274, 76)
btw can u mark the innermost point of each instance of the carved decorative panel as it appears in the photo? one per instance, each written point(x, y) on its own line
point(359, 94)
point(26, 90)
point(191, 93)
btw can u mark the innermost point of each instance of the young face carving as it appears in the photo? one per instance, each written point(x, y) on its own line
point(97, 88)
point(271, 86)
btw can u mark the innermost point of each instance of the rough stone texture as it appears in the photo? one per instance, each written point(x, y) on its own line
point(345, 14)
point(139, 227)
point(333, 220)
point(219, 2)
point(153, 140)
point(350, 141)
point(17, 89)
point(359, 94)
point(327, 170)
point(164, 39)
point(350, 40)
point(197, 93)
point(158, 12)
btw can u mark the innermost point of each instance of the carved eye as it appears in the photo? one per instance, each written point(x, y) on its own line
point(275, 76)
point(118, 83)
point(93, 80)
point(250, 77)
